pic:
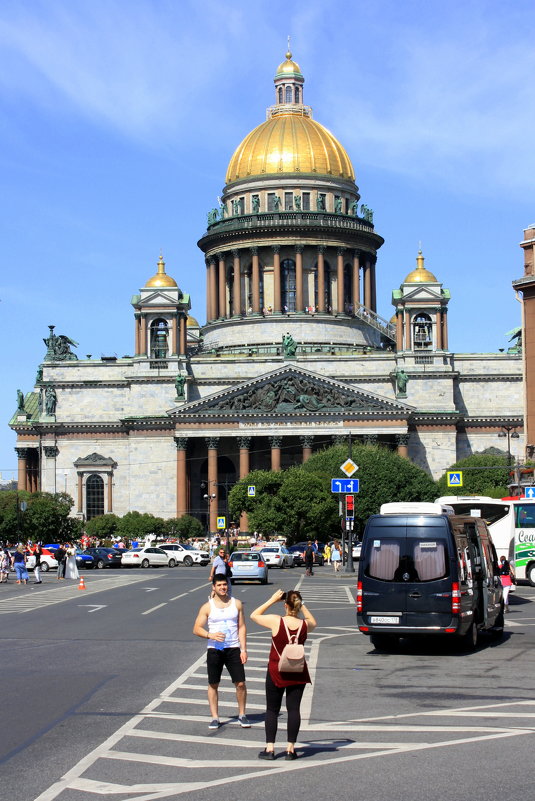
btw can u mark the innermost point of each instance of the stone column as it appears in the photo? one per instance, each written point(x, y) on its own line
point(136, 333)
point(181, 476)
point(110, 492)
point(276, 279)
point(299, 302)
point(222, 286)
point(402, 441)
point(212, 291)
point(256, 280)
point(183, 334)
point(321, 278)
point(438, 327)
point(445, 328)
point(408, 333)
point(275, 443)
point(212, 443)
point(80, 493)
point(244, 443)
point(49, 472)
point(373, 286)
point(355, 294)
point(174, 335)
point(367, 284)
point(306, 443)
point(399, 329)
point(340, 281)
point(236, 309)
point(143, 335)
point(22, 457)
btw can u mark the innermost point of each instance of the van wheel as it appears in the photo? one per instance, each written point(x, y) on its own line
point(468, 641)
point(383, 642)
point(530, 575)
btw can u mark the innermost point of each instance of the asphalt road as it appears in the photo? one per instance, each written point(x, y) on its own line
point(104, 695)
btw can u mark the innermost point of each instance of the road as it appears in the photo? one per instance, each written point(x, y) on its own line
point(104, 695)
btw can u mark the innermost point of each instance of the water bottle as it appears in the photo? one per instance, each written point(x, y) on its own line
point(219, 646)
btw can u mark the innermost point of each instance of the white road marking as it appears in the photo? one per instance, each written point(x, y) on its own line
point(94, 607)
point(154, 608)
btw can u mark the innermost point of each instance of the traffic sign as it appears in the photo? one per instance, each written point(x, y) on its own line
point(349, 467)
point(350, 507)
point(344, 484)
point(221, 522)
point(251, 491)
point(529, 492)
point(454, 478)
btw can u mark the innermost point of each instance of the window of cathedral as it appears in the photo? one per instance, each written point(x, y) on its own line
point(288, 285)
point(297, 95)
point(241, 205)
point(271, 201)
point(422, 332)
point(94, 496)
point(230, 288)
point(348, 289)
point(159, 336)
point(306, 201)
point(280, 94)
point(288, 201)
point(288, 94)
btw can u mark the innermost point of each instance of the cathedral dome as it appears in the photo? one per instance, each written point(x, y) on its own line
point(192, 322)
point(290, 143)
point(420, 275)
point(161, 278)
point(288, 67)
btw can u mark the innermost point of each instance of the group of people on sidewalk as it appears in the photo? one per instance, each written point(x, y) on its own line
point(65, 556)
point(221, 622)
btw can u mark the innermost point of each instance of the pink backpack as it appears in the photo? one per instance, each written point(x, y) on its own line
point(292, 656)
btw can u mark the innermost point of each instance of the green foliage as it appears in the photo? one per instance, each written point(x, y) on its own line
point(46, 518)
point(103, 526)
point(184, 528)
point(305, 507)
point(135, 525)
point(483, 474)
point(260, 508)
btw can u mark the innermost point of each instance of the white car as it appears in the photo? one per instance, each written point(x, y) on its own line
point(148, 557)
point(186, 554)
point(276, 555)
point(47, 562)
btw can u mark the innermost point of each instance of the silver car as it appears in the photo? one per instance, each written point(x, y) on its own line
point(277, 556)
point(248, 565)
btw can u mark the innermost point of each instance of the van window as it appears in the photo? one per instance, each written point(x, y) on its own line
point(430, 560)
point(384, 559)
point(414, 559)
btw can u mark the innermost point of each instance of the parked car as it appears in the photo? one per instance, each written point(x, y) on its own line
point(248, 565)
point(84, 560)
point(186, 554)
point(104, 557)
point(299, 548)
point(276, 555)
point(150, 556)
point(426, 571)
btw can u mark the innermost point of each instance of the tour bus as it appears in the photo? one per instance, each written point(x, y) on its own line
point(511, 522)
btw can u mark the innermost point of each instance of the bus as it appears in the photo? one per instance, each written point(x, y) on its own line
point(511, 522)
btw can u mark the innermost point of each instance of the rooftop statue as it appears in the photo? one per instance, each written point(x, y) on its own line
point(59, 347)
point(297, 202)
point(222, 211)
point(366, 213)
point(51, 400)
point(256, 204)
point(402, 379)
point(180, 380)
point(289, 346)
point(20, 401)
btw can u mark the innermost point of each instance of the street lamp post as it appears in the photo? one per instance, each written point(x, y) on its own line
point(350, 568)
point(209, 497)
point(506, 432)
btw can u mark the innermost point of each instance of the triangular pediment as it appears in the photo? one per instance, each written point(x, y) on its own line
point(427, 294)
point(160, 298)
point(295, 392)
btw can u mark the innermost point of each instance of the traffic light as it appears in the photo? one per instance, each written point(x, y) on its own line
point(350, 506)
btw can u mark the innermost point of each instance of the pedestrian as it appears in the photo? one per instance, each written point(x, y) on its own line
point(71, 568)
point(61, 558)
point(5, 565)
point(327, 553)
point(507, 579)
point(308, 558)
point(221, 622)
point(38, 552)
point(19, 563)
point(283, 631)
point(336, 556)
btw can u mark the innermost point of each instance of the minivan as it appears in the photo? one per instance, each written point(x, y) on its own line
point(426, 571)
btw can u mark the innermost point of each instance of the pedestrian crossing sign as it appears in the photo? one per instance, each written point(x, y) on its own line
point(455, 478)
point(251, 491)
point(221, 522)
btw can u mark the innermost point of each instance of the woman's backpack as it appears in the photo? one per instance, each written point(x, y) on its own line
point(292, 656)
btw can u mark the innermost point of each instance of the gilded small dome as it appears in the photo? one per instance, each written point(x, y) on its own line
point(288, 67)
point(192, 322)
point(290, 143)
point(161, 278)
point(420, 275)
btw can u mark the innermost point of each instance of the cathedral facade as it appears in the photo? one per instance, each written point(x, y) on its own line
point(293, 355)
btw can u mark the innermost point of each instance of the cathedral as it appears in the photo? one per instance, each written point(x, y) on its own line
point(293, 356)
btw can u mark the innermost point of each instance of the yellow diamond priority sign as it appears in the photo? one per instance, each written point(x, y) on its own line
point(349, 467)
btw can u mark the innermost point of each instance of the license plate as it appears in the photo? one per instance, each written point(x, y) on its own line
point(383, 619)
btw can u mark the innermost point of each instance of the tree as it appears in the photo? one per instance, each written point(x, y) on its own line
point(260, 507)
point(136, 525)
point(104, 527)
point(483, 474)
point(184, 528)
point(45, 519)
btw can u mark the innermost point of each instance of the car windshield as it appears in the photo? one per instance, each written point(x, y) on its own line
point(270, 550)
point(245, 557)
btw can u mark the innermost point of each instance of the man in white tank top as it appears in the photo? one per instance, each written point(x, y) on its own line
point(221, 622)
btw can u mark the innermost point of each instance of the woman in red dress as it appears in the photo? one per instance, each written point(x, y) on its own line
point(278, 683)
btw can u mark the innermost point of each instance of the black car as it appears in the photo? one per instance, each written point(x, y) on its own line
point(105, 557)
point(298, 550)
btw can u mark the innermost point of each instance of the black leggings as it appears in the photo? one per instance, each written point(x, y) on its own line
point(273, 704)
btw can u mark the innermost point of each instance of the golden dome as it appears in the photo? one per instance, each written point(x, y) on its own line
point(289, 143)
point(288, 67)
point(161, 278)
point(420, 275)
point(192, 322)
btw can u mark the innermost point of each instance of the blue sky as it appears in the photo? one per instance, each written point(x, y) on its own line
point(118, 119)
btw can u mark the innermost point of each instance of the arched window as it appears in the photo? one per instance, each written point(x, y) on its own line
point(94, 497)
point(159, 334)
point(288, 94)
point(288, 285)
point(280, 94)
point(422, 332)
point(297, 95)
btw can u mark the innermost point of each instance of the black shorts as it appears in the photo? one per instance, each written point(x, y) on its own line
point(229, 658)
